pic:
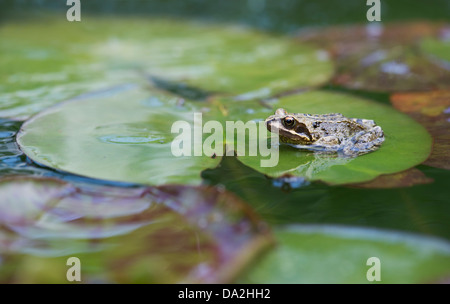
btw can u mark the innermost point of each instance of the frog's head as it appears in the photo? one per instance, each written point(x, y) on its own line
point(289, 128)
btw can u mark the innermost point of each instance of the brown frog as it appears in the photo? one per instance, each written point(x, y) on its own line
point(328, 132)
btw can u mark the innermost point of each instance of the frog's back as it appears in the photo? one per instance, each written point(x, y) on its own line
point(336, 119)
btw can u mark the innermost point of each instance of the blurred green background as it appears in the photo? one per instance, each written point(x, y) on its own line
point(273, 15)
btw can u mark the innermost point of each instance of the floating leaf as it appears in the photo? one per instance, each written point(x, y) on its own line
point(432, 110)
point(120, 135)
point(381, 58)
point(39, 70)
point(439, 47)
point(398, 153)
point(216, 58)
point(339, 254)
point(284, 201)
point(406, 178)
point(350, 39)
point(131, 142)
point(124, 235)
point(391, 69)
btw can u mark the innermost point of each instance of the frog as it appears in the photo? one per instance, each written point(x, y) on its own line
point(328, 133)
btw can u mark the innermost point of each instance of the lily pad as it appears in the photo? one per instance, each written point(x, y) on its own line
point(216, 58)
point(432, 110)
point(47, 60)
point(408, 178)
point(284, 201)
point(169, 234)
point(132, 142)
point(347, 40)
point(391, 69)
point(398, 153)
point(438, 47)
point(39, 70)
point(339, 254)
point(120, 135)
point(382, 58)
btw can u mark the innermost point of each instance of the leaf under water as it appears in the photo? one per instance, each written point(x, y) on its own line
point(169, 234)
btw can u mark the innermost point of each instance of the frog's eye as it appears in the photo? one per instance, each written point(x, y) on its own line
point(289, 122)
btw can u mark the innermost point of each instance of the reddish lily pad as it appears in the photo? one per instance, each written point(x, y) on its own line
point(344, 40)
point(168, 234)
point(396, 68)
point(381, 58)
point(438, 48)
point(406, 178)
point(432, 110)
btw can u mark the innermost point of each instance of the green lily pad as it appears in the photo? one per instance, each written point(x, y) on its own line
point(339, 254)
point(216, 58)
point(132, 141)
point(123, 134)
point(399, 152)
point(48, 60)
point(169, 234)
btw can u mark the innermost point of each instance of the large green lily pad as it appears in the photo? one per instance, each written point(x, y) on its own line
point(104, 137)
point(339, 254)
point(407, 143)
point(47, 60)
point(123, 134)
point(169, 234)
point(216, 58)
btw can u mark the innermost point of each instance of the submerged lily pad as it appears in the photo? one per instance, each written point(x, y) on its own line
point(339, 254)
point(408, 178)
point(47, 60)
point(432, 110)
point(284, 201)
point(120, 135)
point(169, 234)
point(399, 152)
